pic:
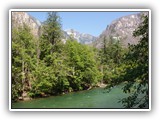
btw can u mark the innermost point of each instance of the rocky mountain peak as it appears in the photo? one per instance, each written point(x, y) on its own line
point(121, 30)
point(81, 37)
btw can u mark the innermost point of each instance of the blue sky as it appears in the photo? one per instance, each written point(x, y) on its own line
point(93, 23)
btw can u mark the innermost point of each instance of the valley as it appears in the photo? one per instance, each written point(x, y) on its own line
point(50, 64)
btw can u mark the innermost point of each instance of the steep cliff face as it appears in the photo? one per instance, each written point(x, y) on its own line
point(21, 18)
point(121, 30)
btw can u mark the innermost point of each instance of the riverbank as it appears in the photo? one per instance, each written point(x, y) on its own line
point(25, 96)
point(94, 98)
point(101, 85)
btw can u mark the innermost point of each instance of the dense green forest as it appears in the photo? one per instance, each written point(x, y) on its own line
point(46, 66)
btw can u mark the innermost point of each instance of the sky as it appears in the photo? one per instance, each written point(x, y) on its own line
point(93, 23)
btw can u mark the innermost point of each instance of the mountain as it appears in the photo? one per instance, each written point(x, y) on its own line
point(121, 30)
point(21, 18)
point(80, 37)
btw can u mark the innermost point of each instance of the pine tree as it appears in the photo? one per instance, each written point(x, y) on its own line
point(23, 60)
point(51, 34)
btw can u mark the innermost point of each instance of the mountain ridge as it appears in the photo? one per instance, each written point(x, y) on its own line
point(121, 30)
point(83, 38)
point(19, 18)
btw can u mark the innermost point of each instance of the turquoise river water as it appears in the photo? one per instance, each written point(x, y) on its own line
point(94, 98)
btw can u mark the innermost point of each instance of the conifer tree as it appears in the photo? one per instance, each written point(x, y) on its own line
point(23, 60)
point(51, 34)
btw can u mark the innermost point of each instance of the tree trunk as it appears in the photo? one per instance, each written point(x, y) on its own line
point(38, 52)
point(102, 72)
point(23, 77)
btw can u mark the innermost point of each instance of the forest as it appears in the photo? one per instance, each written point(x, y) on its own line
point(47, 66)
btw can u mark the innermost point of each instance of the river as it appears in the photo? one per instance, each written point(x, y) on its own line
point(94, 98)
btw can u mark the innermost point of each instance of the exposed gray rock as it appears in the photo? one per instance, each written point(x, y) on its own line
point(80, 37)
point(21, 18)
point(121, 30)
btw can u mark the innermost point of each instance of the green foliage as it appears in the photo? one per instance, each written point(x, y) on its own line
point(73, 69)
point(61, 68)
point(23, 60)
point(137, 70)
point(112, 56)
point(133, 71)
point(52, 33)
point(83, 68)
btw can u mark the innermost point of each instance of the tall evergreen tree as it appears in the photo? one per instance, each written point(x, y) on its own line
point(23, 60)
point(51, 34)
